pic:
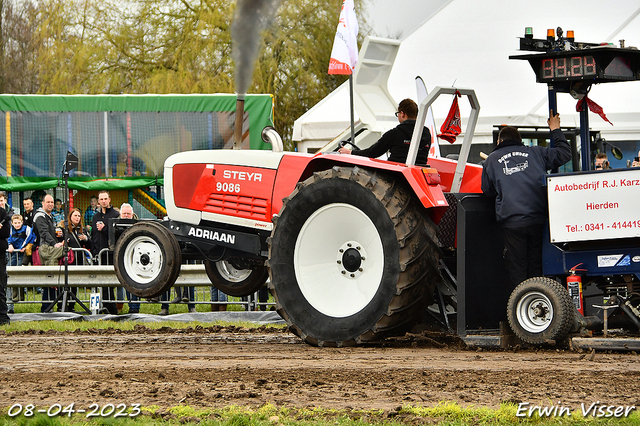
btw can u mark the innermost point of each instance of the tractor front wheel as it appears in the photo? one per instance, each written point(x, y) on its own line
point(234, 281)
point(147, 259)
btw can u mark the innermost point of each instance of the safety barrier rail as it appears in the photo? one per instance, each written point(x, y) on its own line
point(95, 277)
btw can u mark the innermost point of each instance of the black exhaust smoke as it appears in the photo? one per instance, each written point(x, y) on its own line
point(250, 19)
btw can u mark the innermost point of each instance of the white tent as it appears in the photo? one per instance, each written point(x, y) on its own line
point(467, 43)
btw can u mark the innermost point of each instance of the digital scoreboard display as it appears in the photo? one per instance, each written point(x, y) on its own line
point(593, 65)
point(573, 67)
point(579, 67)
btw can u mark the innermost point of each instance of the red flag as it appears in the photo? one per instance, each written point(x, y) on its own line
point(593, 107)
point(344, 54)
point(451, 127)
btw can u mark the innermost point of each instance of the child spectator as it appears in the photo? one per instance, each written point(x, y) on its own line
point(90, 211)
point(20, 241)
point(58, 212)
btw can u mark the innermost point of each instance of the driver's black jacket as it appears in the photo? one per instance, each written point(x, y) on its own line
point(514, 174)
point(397, 141)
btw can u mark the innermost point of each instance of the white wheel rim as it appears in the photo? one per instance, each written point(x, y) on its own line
point(534, 312)
point(325, 283)
point(231, 274)
point(143, 259)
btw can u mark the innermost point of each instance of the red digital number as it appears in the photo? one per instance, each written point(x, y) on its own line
point(561, 67)
point(589, 65)
point(576, 66)
point(547, 68)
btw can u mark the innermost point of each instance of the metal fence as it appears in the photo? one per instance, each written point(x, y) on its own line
point(27, 282)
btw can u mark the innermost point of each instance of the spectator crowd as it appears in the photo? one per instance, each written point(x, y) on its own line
point(38, 235)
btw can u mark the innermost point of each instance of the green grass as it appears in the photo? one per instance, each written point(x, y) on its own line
point(444, 413)
point(38, 327)
point(33, 303)
point(202, 295)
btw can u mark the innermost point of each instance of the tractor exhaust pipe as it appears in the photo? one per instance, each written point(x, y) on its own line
point(237, 134)
point(269, 135)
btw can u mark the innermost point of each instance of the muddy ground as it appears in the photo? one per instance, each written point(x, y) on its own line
point(216, 367)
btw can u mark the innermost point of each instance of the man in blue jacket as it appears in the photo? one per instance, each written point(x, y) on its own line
point(514, 174)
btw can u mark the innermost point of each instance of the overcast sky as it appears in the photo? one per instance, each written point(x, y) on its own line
point(398, 18)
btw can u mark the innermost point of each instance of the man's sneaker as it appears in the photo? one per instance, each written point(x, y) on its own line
point(134, 311)
point(185, 299)
point(176, 300)
point(10, 311)
point(192, 310)
point(164, 312)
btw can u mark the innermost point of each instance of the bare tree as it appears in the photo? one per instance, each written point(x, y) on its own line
point(166, 46)
point(18, 49)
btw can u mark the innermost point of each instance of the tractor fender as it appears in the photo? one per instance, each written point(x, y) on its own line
point(424, 181)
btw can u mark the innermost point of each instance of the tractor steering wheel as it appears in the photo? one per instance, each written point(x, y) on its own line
point(343, 143)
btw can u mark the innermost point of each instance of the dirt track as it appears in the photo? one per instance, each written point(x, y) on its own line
point(215, 367)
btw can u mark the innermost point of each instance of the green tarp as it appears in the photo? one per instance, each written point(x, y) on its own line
point(125, 138)
point(17, 184)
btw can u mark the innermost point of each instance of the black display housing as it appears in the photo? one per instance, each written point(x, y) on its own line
point(595, 64)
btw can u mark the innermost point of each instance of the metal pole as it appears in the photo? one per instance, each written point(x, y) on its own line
point(585, 139)
point(553, 106)
point(351, 107)
point(106, 144)
point(553, 103)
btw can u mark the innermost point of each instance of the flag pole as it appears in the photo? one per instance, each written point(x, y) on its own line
point(344, 54)
point(351, 104)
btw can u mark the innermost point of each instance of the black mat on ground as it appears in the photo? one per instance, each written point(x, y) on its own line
point(269, 317)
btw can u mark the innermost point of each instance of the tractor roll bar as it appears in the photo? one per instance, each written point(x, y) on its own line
point(468, 134)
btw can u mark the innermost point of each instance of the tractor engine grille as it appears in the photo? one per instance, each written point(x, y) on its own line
point(238, 205)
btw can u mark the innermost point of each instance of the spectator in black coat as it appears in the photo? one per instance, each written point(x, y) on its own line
point(100, 241)
point(5, 229)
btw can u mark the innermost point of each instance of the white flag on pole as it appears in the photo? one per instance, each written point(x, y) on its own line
point(344, 54)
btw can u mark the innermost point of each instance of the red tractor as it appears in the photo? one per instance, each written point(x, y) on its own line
point(350, 244)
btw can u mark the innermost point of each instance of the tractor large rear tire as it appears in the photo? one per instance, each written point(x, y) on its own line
point(234, 281)
point(352, 257)
point(147, 259)
point(540, 310)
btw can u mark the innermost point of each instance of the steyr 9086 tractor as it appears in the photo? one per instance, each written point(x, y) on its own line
point(350, 243)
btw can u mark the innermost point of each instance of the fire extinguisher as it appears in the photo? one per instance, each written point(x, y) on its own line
point(574, 285)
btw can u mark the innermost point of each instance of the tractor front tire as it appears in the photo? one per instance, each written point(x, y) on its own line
point(234, 281)
point(540, 310)
point(147, 259)
point(352, 257)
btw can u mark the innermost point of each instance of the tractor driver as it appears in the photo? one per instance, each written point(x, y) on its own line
point(398, 139)
point(513, 174)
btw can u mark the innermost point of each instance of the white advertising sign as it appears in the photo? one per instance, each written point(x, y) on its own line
point(594, 206)
point(94, 302)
